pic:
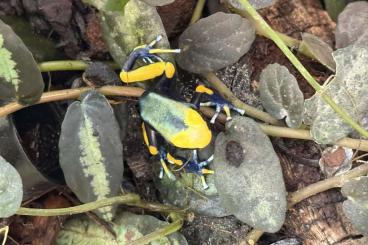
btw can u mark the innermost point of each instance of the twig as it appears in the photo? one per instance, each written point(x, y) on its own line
point(4, 230)
point(274, 37)
point(67, 65)
point(124, 199)
point(311, 190)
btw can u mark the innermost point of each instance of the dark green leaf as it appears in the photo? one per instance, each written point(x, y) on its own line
point(215, 42)
point(91, 150)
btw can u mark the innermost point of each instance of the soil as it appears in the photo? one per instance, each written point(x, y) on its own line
point(74, 28)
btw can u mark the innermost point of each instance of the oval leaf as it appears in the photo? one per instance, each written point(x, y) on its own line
point(158, 2)
point(348, 89)
point(91, 150)
point(319, 50)
point(215, 42)
point(20, 77)
point(11, 189)
point(280, 94)
point(248, 175)
point(356, 207)
point(138, 24)
point(351, 24)
point(127, 227)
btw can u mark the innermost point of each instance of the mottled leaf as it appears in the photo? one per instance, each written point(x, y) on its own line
point(215, 42)
point(20, 78)
point(11, 189)
point(91, 150)
point(356, 207)
point(158, 2)
point(138, 24)
point(280, 94)
point(248, 175)
point(127, 226)
point(319, 50)
point(257, 4)
point(351, 24)
point(348, 89)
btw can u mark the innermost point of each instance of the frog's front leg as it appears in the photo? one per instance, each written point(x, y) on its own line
point(150, 139)
point(213, 99)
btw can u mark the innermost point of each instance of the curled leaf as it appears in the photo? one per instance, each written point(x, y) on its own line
point(318, 49)
point(215, 42)
point(20, 77)
point(356, 207)
point(11, 189)
point(348, 89)
point(138, 24)
point(91, 150)
point(280, 94)
point(248, 175)
point(351, 24)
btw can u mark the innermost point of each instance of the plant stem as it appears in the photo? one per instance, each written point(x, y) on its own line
point(311, 190)
point(159, 233)
point(124, 199)
point(67, 65)
point(137, 92)
point(197, 13)
point(274, 36)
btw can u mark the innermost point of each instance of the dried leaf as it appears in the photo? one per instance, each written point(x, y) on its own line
point(335, 160)
point(20, 77)
point(280, 94)
point(319, 49)
point(158, 2)
point(215, 42)
point(348, 89)
point(138, 24)
point(248, 175)
point(11, 189)
point(127, 226)
point(351, 24)
point(91, 150)
point(356, 207)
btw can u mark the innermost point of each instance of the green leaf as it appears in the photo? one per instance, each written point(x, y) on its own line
point(127, 226)
point(215, 42)
point(20, 78)
point(11, 189)
point(348, 89)
point(115, 5)
point(356, 207)
point(158, 2)
point(248, 175)
point(280, 94)
point(91, 150)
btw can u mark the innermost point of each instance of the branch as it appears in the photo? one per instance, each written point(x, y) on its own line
point(67, 65)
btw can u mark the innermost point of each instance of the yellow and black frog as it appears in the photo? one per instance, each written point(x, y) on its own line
point(170, 120)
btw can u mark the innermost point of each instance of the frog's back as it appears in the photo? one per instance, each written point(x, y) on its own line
point(177, 122)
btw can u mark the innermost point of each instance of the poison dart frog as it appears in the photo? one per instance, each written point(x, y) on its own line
point(170, 120)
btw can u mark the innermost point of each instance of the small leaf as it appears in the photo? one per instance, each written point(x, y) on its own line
point(158, 2)
point(248, 175)
point(138, 24)
point(348, 89)
point(319, 49)
point(351, 24)
point(91, 150)
point(11, 189)
point(115, 5)
point(356, 207)
point(20, 77)
point(280, 94)
point(127, 227)
point(215, 42)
